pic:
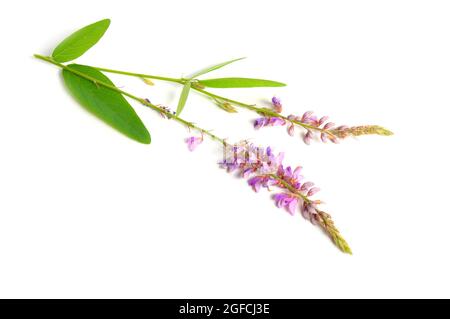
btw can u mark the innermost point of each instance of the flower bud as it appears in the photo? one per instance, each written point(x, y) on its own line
point(226, 106)
point(276, 102)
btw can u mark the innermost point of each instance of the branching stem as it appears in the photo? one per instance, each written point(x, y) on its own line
point(134, 97)
point(260, 110)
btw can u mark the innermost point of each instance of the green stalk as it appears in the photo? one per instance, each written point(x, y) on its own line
point(144, 76)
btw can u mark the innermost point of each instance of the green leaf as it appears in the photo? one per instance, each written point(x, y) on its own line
point(239, 83)
point(80, 41)
point(108, 105)
point(183, 97)
point(214, 67)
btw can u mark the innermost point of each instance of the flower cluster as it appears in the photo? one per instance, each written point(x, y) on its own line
point(314, 127)
point(327, 131)
point(265, 169)
point(193, 142)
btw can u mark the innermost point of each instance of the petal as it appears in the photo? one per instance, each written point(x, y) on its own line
point(297, 171)
point(257, 123)
point(307, 185)
point(291, 130)
point(280, 158)
point(313, 190)
point(254, 180)
point(306, 116)
point(323, 119)
point(288, 171)
point(307, 138)
point(246, 172)
point(276, 101)
point(279, 199)
point(328, 125)
point(277, 121)
point(272, 181)
point(191, 143)
point(280, 170)
point(292, 206)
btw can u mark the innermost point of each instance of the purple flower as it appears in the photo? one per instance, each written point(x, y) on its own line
point(193, 142)
point(255, 183)
point(309, 211)
point(292, 177)
point(288, 201)
point(274, 121)
point(268, 121)
point(276, 102)
point(258, 181)
point(246, 172)
point(259, 122)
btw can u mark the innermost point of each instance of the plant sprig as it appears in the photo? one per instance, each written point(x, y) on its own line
point(73, 47)
point(98, 94)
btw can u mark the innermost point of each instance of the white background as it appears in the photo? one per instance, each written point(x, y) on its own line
point(86, 212)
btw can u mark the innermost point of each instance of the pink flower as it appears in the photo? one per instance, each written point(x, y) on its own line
point(193, 142)
point(309, 211)
point(259, 122)
point(288, 201)
point(323, 119)
point(291, 130)
point(328, 126)
point(306, 186)
point(312, 191)
point(268, 121)
point(258, 181)
point(307, 137)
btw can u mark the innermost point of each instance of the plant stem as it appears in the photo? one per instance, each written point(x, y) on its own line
point(140, 100)
point(140, 75)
